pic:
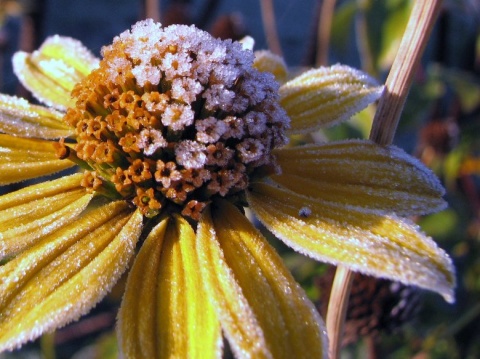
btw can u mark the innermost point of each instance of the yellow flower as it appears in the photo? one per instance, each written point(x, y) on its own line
point(175, 133)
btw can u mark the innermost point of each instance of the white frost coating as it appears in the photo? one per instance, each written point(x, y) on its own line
point(19, 59)
point(59, 59)
point(75, 49)
point(56, 68)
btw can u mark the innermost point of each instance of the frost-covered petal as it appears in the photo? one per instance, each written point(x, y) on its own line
point(52, 71)
point(263, 311)
point(378, 245)
point(33, 212)
point(267, 61)
point(19, 117)
point(166, 312)
point(361, 174)
point(65, 274)
point(22, 158)
point(327, 96)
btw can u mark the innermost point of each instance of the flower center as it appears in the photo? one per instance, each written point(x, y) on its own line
point(173, 117)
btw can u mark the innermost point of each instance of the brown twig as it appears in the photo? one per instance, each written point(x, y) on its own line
point(384, 125)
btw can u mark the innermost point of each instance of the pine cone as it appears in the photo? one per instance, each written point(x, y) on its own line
point(375, 305)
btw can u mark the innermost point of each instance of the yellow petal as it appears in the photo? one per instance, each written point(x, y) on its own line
point(71, 52)
point(327, 96)
point(264, 312)
point(22, 158)
point(361, 174)
point(33, 212)
point(166, 313)
point(52, 71)
point(378, 245)
point(41, 190)
point(65, 274)
point(20, 118)
point(25, 224)
point(136, 327)
point(267, 61)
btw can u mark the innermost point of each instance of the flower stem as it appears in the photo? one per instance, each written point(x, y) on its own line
point(384, 125)
point(337, 309)
point(399, 80)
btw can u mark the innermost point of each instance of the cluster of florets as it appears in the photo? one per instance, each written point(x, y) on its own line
point(174, 116)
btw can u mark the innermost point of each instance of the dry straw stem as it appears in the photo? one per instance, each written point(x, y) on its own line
point(337, 309)
point(384, 125)
point(270, 27)
point(400, 78)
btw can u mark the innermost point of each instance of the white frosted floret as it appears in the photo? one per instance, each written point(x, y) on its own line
point(210, 130)
point(186, 89)
point(256, 123)
point(190, 154)
point(177, 117)
point(250, 150)
point(147, 74)
point(151, 140)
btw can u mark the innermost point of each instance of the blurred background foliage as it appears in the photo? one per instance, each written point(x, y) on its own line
point(440, 125)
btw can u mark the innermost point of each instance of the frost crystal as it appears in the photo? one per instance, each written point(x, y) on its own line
point(173, 116)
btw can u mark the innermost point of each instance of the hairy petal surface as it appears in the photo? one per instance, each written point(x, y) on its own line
point(29, 214)
point(23, 158)
point(20, 118)
point(166, 312)
point(361, 174)
point(52, 71)
point(64, 275)
point(327, 96)
point(378, 245)
point(263, 311)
